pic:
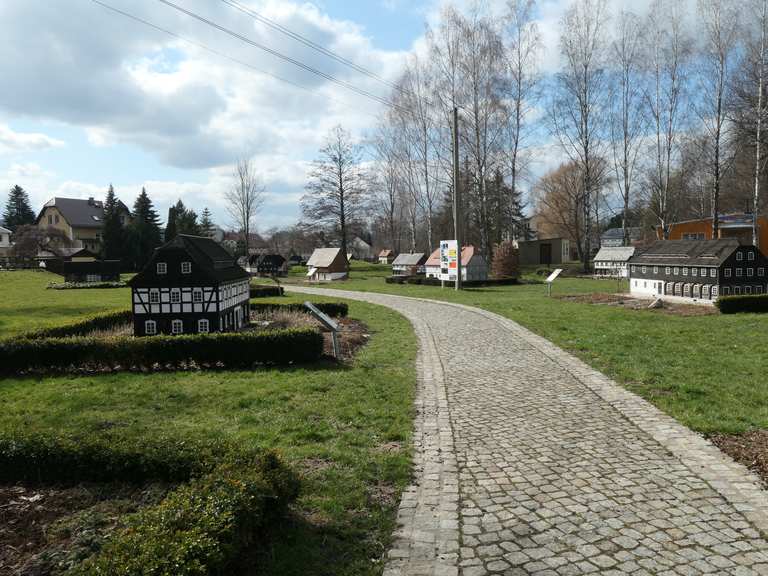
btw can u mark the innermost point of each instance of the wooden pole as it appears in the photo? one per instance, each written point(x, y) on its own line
point(456, 195)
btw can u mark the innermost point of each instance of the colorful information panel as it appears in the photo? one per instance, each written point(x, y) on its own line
point(449, 258)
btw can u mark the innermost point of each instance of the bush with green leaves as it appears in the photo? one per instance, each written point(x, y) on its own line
point(332, 309)
point(262, 291)
point(757, 303)
point(233, 350)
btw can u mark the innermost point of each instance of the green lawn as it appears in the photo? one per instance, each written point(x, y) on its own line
point(345, 429)
point(709, 372)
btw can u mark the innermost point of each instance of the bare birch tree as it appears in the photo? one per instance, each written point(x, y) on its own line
point(578, 107)
point(387, 183)
point(760, 57)
point(244, 198)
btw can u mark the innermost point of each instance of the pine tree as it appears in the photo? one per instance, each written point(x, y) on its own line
point(206, 224)
point(144, 231)
point(18, 211)
point(186, 220)
point(113, 234)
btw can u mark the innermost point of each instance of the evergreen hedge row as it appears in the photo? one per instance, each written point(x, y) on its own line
point(262, 291)
point(750, 303)
point(332, 309)
point(232, 350)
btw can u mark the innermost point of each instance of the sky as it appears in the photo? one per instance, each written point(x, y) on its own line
point(93, 98)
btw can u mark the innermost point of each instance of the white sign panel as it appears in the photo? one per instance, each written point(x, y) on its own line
point(554, 275)
point(448, 259)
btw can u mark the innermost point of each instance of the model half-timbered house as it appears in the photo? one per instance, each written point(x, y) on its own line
point(699, 270)
point(192, 285)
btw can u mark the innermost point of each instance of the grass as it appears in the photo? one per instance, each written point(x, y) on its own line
point(709, 372)
point(344, 428)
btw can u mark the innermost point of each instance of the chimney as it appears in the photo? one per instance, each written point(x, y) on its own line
point(91, 201)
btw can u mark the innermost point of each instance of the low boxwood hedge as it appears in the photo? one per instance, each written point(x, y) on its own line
point(231, 350)
point(84, 285)
point(332, 309)
point(87, 325)
point(262, 291)
point(202, 527)
point(750, 303)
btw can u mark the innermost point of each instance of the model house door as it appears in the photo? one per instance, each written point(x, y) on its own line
point(658, 288)
point(545, 254)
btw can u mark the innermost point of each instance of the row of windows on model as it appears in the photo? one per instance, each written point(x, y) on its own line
point(186, 268)
point(705, 291)
point(177, 327)
point(197, 294)
point(740, 272)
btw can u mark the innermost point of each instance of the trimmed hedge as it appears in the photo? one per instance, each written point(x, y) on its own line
point(202, 527)
point(36, 458)
point(262, 291)
point(84, 285)
point(232, 350)
point(424, 281)
point(332, 309)
point(82, 327)
point(757, 303)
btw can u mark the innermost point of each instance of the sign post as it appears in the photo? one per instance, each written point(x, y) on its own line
point(328, 324)
point(449, 260)
point(551, 278)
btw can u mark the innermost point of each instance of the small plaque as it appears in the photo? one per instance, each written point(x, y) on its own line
point(554, 275)
point(324, 319)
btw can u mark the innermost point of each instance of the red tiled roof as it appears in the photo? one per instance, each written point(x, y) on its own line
point(467, 253)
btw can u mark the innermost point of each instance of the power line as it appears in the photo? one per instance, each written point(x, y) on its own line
point(309, 43)
point(218, 53)
point(278, 54)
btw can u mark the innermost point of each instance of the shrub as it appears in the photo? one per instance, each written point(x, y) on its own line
point(101, 322)
point(84, 285)
point(261, 291)
point(750, 303)
point(232, 350)
point(332, 309)
point(200, 528)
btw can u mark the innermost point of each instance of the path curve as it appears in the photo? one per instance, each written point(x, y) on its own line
point(528, 461)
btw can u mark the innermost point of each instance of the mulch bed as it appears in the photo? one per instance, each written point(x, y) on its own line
point(353, 335)
point(749, 449)
point(630, 303)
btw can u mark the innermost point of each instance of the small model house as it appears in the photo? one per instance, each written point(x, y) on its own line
point(327, 264)
point(269, 265)
point(83, 266)
point(613, 262)
point(473, 265)
point(409, 264)
point(698, 270)
point(386, 257)
point(191, 285)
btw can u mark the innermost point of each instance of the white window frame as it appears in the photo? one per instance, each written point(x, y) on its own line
point(676, 270)
point(739, 256)
point(727, 272)
point(748, 290)
point(750, 255)
point(739, 272)
point(162, 268)
point(668, 270)
point(175, 292)
point(150, 327)
point(726, 290)
point(655, 269)
point(750, 272)
point(643, 269)
point(685, 270)
point(186, 267)
point(197, 296)
point(761, 271)
point(713, 272)
point(694, 271)
point(634, 268)
point(203, 322)
point(154, 296)
point(174, 324)
point(91, 278)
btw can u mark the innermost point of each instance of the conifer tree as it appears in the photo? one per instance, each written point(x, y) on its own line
point(113, 234)
point(144, 231)
point(206, 224)
point(18, 211)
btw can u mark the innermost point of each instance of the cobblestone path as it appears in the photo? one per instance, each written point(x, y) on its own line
point(527, 461)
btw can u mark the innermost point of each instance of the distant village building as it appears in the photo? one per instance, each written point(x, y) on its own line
point(80, 220)
point(327, 264)
point(409, 264)
point(191, 285)
point(698, 270)
point(613, 261)
point(614, 237)
point(546, 252)
point(737, 225)
point(473, 265)
point(269, 265)
point(5, 243)
point(386, 256)
point(83, 266)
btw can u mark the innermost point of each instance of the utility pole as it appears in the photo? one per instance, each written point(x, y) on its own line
point(456, 195)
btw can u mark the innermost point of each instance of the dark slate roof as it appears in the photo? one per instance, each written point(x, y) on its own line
point(688, 252)
point(208, 256)
point(268, 260)
point(80, 213)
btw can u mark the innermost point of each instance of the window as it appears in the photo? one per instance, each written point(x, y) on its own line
point(677, 271)
point(694, 271)
point(713, 272)
point(750, 272)
point(685, 271)
point(175, 296)
point(739, 272)
point(750, 255)
point(162, 268)
point(643, 270)
point(154, 297)
point(747, 289)
point(186, 267)
point(197, 296)
point(203, 326)
point(668, 270)
point(634, 268)
point(655, 269)
point(177, 327)
point(93, 278)
point(726, 290)
point(737, 290)
point(150, 328)
point(714, 291)
point(56, 218)
point(727, 272)
point(761, 271)
point(739, 256)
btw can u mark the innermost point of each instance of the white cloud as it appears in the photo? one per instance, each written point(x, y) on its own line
point(12, 142)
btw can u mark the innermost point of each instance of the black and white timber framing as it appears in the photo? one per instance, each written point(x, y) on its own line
point(191, 285)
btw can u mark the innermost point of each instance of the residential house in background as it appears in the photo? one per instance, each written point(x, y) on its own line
point(5, 243)
point(698, 270)
point(386, 256)
point(546, 252)
point(327, 264)
point(737, 225)
point(613, 261)
point(191, 285)
point(473, 265)
point(80, 220)
point(409, 264)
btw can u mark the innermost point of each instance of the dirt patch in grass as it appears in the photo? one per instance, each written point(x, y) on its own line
point(630, 303)
point(749, 449)
point(353, 335)
point(47, 530)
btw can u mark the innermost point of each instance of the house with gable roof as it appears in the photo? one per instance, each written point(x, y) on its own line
point(327, 264)
point(80, 220)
